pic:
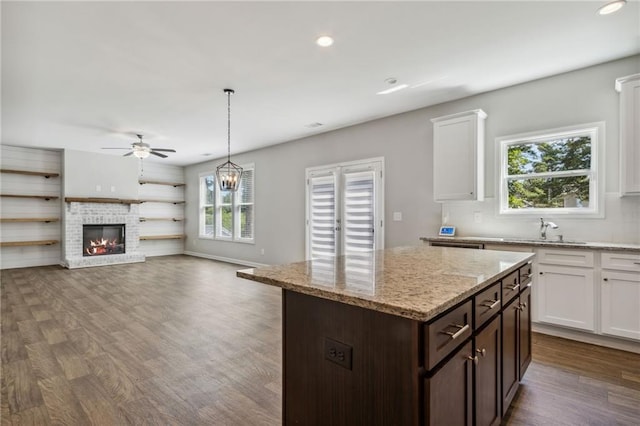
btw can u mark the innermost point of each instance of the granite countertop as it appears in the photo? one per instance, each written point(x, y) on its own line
point(413, 282)
point(539, 243)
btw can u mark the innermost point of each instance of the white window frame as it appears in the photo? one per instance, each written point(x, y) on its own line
point(236, 209)
point(596, 175)
point(336, 171)
point(203, 205)
point(217, 205)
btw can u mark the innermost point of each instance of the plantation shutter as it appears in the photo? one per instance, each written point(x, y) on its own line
point(322, 215)
point(245, 206)
point(358, 212)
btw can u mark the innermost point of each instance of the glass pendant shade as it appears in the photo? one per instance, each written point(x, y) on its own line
point(229, 175)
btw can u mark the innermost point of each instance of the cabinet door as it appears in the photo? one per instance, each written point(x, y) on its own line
point(620, 293)
point(629, 88)
point(510, 359)
point(565, 296)
point(524, 330)
point(448, 394)
point(487, 375)
point(458, 159)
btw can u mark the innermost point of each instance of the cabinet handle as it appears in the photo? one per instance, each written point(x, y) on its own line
point(513, 288)
point(636, 263)
point(605, 279)
point(482, 351)
point(473, 358)
point(541, 273)
point(458, 333)
point(491, 304)
point(525, 276)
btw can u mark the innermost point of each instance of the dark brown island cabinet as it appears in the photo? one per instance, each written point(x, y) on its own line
point(354, 365)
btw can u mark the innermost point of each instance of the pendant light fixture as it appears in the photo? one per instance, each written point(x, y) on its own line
point(229, 174)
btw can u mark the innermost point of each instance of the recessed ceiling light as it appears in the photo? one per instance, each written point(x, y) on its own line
point(324, 41)
point(611, 7)
point(393, 89)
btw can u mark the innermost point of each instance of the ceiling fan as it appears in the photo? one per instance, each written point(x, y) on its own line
point(142, 150)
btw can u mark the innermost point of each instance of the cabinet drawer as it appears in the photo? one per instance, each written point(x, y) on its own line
point(488, 303)
point(623, 262)
point(446, 333)
point(526, 272)
point(510, 287)
point(566, 257)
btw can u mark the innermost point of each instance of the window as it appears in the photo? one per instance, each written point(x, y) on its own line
point(344, 209)
point(226, 215)
point(555, 171)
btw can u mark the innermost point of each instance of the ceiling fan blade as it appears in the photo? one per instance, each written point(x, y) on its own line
point(158, 154)
point(128, 154)
point(163, 150)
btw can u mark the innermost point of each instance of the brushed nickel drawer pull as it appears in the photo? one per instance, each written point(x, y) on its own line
point(513, 288)
point(492, 303)
point(636, 263)
point(458, 333)
point(473, 358)
point(482, 351)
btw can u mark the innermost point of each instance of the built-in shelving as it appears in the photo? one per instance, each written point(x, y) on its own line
point(173, 219)
point(100, 200)
point(162, 201)
point(39, 197)
point(30, 208)
point(161, 237)
point(30, 173)
point(155, 182)
point(28, 243)
point(29, 219)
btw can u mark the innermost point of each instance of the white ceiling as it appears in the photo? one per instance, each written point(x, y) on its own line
point(81, 75)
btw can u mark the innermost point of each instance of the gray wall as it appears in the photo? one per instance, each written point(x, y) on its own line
point(405, 142)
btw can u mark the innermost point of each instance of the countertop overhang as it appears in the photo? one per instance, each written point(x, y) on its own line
point(412, 282)
point(539, 243)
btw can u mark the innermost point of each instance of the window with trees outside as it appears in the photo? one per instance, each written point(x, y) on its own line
point(553, 171)
point(227, 215)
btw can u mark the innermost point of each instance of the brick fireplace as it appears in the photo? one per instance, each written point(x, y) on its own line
point(101, 214)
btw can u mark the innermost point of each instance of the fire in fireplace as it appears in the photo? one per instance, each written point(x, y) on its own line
point(100, 240)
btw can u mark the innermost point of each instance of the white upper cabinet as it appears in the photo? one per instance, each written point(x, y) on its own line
point(629, 88)
point(458, 156)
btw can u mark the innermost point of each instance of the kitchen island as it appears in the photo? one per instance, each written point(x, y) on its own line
point(405, 336)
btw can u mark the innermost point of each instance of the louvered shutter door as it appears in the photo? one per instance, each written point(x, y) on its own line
point(358, 211)
point(322, 216)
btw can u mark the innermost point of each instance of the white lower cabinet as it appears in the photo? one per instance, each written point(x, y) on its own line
point(565, 296)
point(620, 295)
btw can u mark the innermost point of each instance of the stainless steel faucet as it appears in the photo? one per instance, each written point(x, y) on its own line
point(543, 228)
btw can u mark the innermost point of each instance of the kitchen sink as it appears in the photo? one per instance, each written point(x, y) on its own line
point(533, 240)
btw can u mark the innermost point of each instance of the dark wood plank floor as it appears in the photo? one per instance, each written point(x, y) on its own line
point(180, 340)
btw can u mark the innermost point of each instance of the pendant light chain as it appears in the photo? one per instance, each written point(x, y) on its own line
point(229, 125)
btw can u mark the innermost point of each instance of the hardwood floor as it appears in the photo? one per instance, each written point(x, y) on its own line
point(180, 340)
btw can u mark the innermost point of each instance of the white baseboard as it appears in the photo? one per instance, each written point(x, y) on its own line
point(225, 259)
point(594, 339)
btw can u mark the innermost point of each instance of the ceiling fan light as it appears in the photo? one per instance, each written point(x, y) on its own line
point(141, 153)
point(611, 7)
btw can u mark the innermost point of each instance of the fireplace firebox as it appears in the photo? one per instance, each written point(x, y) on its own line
point(101, 240)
